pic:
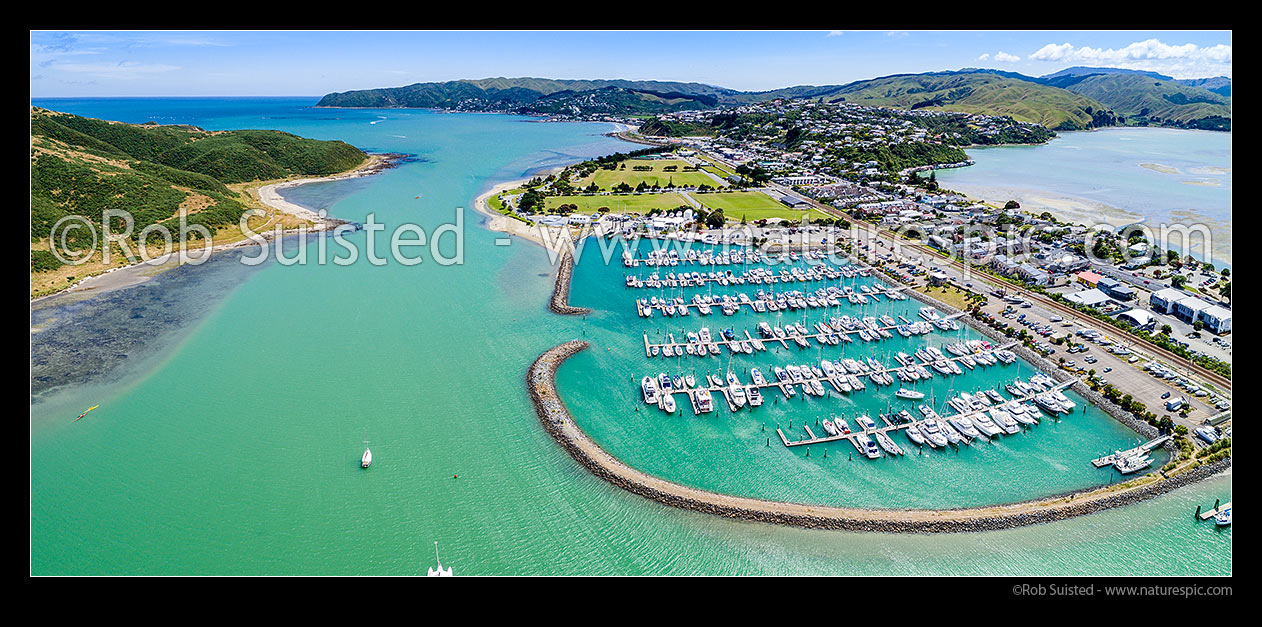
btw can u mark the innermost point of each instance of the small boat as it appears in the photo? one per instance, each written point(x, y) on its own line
point(1223, 518)
point(911, 394)
point(668, 403)
point(439, 572)
point(754, 395)
point(887, 444)
point(867, 446)
point(366, 460)
point(85, 413)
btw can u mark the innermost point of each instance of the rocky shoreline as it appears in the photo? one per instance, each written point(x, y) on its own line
point(552, 413)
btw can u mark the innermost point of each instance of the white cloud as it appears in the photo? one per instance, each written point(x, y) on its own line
point(124, 70)
point(1180, 61)
point(1004, 57)
point(985, 55)
point(897, 34)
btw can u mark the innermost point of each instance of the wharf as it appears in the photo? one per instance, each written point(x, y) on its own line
point(1142, 449)
point(897, 427)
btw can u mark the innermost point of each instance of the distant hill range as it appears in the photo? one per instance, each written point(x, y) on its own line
point(1071, 99)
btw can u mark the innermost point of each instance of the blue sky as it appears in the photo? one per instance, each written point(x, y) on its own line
point(288, 63)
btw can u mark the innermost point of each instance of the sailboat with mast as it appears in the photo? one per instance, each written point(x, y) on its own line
point(438, 572)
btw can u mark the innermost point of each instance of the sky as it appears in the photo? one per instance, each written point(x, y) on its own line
point(295, 63)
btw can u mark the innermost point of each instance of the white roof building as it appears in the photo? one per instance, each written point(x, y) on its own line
point(1090, 298)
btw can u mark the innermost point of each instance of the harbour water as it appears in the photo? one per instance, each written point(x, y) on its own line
point(234, 448)
point(741, 453)
point(1115, 175)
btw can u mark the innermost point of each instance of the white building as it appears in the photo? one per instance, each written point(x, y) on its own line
point(1216, 319)
point(1163, 301)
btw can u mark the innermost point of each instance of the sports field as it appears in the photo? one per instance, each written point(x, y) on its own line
point(657, 173)
point(753, 205)
point(620, 203)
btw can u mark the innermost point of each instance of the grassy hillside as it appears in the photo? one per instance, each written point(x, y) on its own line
point(1156, 101)
point(979, 92)
point(83, 166)
point(507, 93)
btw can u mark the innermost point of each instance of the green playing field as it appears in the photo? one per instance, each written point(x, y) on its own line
point(657, 173)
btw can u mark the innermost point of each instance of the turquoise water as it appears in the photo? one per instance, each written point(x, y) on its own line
point(729, 453)
point(1119, 175)
point(236, 451)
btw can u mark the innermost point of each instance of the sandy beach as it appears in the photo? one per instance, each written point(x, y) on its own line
point(135, 274)
point(551, 239)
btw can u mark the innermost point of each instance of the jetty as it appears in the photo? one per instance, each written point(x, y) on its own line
point(898, 427)
point(1142, 449)
point(1214, 512)
point(851, 334)
point(871, 371)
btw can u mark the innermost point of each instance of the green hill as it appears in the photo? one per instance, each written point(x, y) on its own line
point(1072, 99)
point(1145, 99)
point(977, 92)
point(518, 94)
point(84, 166)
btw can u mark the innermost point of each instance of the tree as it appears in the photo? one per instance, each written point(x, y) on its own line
point(1012, 204)
point(715, 220)
point(1166, 329)
point(1178, 280)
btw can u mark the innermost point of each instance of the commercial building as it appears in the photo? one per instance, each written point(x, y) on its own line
point(1116, 288)
point(1162, 301)
point(1216, 319)
point(1189, 308)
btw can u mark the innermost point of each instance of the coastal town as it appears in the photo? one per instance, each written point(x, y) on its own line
point(1104, 303)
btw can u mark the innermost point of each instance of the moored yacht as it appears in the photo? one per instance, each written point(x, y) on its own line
point(649, 387)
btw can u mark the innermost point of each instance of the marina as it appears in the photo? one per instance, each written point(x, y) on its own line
point(930, 419)
point(842, 375)
point(792, 264)
point(966, 417)
point(831, 333)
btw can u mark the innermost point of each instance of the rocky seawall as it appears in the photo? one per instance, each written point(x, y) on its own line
point(560, 301)
point(556, 419)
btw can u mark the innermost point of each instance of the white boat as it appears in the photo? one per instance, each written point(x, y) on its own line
point(703, 401)
point(964, 426)
point(649, 388)
point(755, 396)
point(1223, 518)
point(933, 433)
point(668, 403)
point(887, 444)
point(914, 435)
point(366, 460)
point(983, 423)
point(867, 446)
point(910, 394)
point(1005, 422)
point(439, 572)
point(1134, 463)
